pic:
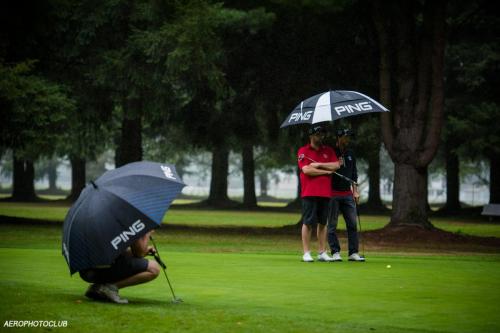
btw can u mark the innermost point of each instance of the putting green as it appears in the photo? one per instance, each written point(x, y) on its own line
point(257, 291)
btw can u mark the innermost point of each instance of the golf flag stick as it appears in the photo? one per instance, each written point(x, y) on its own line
point(302, 156)
point(164, 267)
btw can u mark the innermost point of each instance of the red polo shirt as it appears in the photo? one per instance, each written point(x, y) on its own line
point(315, 186)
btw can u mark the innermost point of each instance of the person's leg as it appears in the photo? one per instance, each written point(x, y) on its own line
point(321, 233)
point(308, 220)
point(322, 216)
point(333, 241)
point(306, 238)
point(348, 208)
point(92, 292)
point(308, 216)
point(151, 273)
point(125, 271)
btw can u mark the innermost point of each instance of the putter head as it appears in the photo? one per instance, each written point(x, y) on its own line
point(177, 300)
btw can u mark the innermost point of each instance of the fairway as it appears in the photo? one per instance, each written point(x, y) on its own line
point(241, 218)
point(262, 287)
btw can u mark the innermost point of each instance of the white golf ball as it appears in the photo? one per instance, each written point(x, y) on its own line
point(388, 266)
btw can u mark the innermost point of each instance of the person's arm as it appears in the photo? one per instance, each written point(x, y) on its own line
point(330, 166)
point(140, 247)
point(310, 170)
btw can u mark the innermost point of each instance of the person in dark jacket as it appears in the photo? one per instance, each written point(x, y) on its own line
point(345, 197)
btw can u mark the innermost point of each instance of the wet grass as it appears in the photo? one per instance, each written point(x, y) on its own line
point(254, 283)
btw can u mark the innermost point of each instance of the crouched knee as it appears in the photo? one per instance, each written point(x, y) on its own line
point(154, 268)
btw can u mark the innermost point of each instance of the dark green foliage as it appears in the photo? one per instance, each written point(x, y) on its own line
point(34, 111)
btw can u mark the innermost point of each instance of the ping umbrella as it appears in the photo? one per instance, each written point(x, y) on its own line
point(332, 105)
point(115, 210)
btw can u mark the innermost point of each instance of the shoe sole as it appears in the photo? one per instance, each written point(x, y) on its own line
point(120, 301)
point(95, 296)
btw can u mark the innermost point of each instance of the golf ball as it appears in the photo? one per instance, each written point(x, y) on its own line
point(388, 266)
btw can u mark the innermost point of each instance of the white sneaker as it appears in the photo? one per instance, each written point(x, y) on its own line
point(336, 257)
point(356, 257)
point(307, 257)
point(323, 256)
point(110, 291)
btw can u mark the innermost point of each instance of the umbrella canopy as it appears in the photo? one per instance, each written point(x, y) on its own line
point(332, 105)
point(115, 210)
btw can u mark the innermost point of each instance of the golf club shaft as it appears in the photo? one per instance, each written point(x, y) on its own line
point(338, 174)
point(163, 266)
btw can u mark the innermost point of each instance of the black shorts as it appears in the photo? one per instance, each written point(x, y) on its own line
point(315, 210)
point(123, 267)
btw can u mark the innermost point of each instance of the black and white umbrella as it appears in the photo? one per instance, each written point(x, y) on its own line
point(332, 105)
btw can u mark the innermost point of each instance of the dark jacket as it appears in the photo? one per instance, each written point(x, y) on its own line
point(348, 169)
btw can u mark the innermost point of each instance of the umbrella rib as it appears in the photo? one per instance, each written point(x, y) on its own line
point(177, 181)
point(370, 99)
point(69, 229)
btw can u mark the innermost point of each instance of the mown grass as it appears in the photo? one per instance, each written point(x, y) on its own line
point(254, 284)
point(205, 217)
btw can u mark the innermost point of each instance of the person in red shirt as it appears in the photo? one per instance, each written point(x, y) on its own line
point(316, 162)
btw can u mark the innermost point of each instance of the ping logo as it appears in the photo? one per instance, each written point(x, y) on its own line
point(351, 108)
point(298, 116)
point(167, 171)
point(136, 227)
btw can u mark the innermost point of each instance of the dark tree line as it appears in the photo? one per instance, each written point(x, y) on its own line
point(82, 77)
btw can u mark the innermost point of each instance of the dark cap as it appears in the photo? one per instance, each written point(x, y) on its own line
point(345, 132)
point(317, 129)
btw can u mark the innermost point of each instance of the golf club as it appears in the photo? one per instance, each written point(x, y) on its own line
point(302, 156)
point(160, 262)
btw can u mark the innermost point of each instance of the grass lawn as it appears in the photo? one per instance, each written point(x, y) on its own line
point(254, 284)
point(199, 217)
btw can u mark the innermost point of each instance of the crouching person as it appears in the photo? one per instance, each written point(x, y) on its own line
point(129, 268)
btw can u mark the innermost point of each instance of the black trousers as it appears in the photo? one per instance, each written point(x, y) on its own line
point(346, 206)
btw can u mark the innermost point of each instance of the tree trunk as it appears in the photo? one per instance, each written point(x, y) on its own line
point(374, 200)
point(264, 184)
point(410, 196)
point(411, 85)
point(24, 180)
point(249, 197)
point(218, 182)
point(130, 146)
point(52, 175)
point(452, 180)
point(495, 178)
point(78, 177)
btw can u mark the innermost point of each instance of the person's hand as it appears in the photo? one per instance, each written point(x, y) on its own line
point(151, 250)
point(356, 196)
point(341, 161)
